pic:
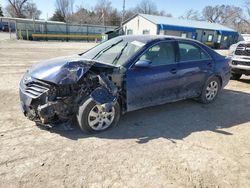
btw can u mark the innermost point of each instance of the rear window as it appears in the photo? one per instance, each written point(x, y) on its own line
point(190, 52)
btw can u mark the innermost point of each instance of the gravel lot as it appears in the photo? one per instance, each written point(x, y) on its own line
point(183, 144)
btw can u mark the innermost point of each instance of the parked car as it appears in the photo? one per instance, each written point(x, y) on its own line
point(240, 60)
point(121, 75)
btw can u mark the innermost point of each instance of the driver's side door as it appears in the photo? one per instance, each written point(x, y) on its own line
point(156, 84)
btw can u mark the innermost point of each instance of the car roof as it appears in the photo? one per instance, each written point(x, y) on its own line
point(151, 38)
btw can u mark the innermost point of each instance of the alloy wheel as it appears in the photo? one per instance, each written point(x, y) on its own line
point(99, 119)
point(212, 90)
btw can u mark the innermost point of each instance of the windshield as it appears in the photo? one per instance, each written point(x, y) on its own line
point(115, 51)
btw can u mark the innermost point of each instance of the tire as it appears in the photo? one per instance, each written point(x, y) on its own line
point(209, 95)
point(92, 124)
point(235, 76)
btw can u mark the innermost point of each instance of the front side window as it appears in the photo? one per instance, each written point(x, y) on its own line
point(189, 52)
point(160, 54)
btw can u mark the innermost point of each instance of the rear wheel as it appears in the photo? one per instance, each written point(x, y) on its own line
point(210, 90)
point(93, 118)
point(235, 76)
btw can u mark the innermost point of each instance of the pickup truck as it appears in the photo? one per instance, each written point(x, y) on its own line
point(240, 62)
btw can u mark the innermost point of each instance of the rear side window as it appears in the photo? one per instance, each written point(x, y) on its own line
point(190, 52)
point(160, 54)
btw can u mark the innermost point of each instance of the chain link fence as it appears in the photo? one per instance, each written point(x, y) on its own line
point(27, 29)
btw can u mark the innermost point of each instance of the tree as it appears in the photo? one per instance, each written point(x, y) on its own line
point(115, 18)
point(22, 9)
point(222, 14)
point(30, 11)
point(149, 7)
point(66, 8)
point(103, 9)
point(57, 16)
point(246, 20)
point(228, 15)
point(1, 12)
point(191, 15)
point(129, 13)
point(163, 13)
point(146, 7)
point(84, 16)
point(15, 8)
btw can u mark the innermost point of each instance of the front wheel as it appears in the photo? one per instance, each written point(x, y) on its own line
point(92, 118)
point(210, 90)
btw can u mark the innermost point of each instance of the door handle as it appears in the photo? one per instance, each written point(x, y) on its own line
point(173, 71)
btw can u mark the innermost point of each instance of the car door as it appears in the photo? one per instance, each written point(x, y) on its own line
point(194, 67)
point(156, 84)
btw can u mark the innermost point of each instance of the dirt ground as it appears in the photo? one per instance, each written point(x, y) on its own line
point(183, 144)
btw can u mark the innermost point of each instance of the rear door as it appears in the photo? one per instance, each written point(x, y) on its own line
point(156, 84)
point(194, 67)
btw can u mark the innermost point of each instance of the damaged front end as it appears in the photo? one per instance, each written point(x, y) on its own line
point(53, 97)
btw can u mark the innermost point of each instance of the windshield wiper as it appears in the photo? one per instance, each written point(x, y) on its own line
point(120, 54)
point(106, 49)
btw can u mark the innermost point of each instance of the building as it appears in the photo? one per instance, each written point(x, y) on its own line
point(212, 34)
point(29, 29)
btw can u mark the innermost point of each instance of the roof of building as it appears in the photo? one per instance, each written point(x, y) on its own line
point(188, 25)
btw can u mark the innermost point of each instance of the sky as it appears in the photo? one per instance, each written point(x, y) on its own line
point(176, 7)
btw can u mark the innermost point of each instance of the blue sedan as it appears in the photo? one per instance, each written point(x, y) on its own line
point(118, 76)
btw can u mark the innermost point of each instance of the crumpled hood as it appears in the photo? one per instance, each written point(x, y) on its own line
point(63, 70)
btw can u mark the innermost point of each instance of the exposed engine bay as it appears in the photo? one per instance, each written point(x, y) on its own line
point(51, 103)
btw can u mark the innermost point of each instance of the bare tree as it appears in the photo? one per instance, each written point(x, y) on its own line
point(247, 18)
point(1, 11)
point(149, 7)
point(163, 13)
point(66, 8)
point(103, 9)
point(191, 15)
point(15, 8)
point(30, 11)
point(84, 16)
point(146, 7)
point(212, 14)
point(22, 9)
point(129, 13)
point(228, 15)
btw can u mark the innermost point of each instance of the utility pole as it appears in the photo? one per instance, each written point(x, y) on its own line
point(123, 17)
point(123, 12)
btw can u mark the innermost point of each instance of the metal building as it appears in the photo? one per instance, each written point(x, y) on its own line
point(29, 29)
point(212, 34)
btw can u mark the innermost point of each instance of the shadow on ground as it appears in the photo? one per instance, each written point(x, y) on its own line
point(177, 120)
point(244, 80)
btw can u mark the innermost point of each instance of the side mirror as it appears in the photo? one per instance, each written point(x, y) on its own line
point(143, 64)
